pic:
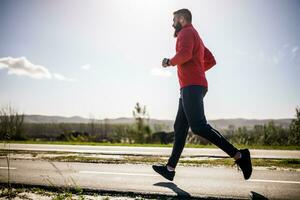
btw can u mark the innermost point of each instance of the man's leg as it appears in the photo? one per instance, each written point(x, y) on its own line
point(181, 128)
point(192, 99)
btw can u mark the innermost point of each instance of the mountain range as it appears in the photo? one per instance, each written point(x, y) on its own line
point(168, 124)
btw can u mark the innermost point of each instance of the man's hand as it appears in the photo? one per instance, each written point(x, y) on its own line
point(166, 62)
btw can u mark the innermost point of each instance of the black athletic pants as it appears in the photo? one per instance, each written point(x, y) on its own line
point(191, 114)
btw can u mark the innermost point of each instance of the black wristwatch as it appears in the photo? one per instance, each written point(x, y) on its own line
point(166, 61)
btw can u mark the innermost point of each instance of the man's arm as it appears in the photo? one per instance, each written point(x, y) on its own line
point(185, 48)
point(209, 59)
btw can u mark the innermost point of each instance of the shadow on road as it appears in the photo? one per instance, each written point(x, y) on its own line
point(172, 186)
point(255, 195)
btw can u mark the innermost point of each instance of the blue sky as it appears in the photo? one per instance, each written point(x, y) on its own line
point(98, 58)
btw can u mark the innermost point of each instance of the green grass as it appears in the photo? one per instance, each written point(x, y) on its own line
point(258, 162)
point(154, 145)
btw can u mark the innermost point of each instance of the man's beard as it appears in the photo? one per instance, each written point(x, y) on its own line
point(177, 28)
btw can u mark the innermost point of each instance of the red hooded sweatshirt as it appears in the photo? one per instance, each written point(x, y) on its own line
point(192, 58)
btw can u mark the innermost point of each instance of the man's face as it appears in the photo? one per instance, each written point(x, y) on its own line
point(177, 20)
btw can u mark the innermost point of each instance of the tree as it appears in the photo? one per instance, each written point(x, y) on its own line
point(11, 124)
point(11, 127)
point(294, 138)
point(92, 122)
point(143, 132)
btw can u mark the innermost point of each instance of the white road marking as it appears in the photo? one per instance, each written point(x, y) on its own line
point(7, 168)
point(273, 181)
point(136, 174)
point(116, 173)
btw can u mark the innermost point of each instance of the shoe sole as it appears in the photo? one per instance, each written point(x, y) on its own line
point(249, 159)
point(170, 179)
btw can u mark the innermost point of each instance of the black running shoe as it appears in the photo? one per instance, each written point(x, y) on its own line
point(244, 163)
point(162, 170)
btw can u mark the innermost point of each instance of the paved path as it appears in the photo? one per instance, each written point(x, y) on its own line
point(193, 181)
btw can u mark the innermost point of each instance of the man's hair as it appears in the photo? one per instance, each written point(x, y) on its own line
point(185, 13)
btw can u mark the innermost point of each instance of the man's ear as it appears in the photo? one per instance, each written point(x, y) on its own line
point(181, 19)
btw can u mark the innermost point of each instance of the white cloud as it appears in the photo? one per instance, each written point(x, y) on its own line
point(22, 67)
point(62, 77)
point(295, 49)
point(294, 52)
point(86, 67)
point(286, 53)
point(160, 72)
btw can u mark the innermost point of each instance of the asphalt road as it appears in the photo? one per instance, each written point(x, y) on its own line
point(158, 151)
point(193, 181)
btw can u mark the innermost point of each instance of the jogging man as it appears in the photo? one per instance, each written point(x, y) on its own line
point(193, 59)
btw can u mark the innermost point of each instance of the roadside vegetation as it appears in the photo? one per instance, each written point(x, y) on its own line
point(141, 133)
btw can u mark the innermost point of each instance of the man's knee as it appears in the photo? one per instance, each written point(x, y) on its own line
point(178, 127)
point(200, 129)
point(205, 130)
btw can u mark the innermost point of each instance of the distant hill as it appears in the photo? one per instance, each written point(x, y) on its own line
point(167, 124)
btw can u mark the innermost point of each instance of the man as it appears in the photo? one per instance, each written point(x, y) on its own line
point(193, 59)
